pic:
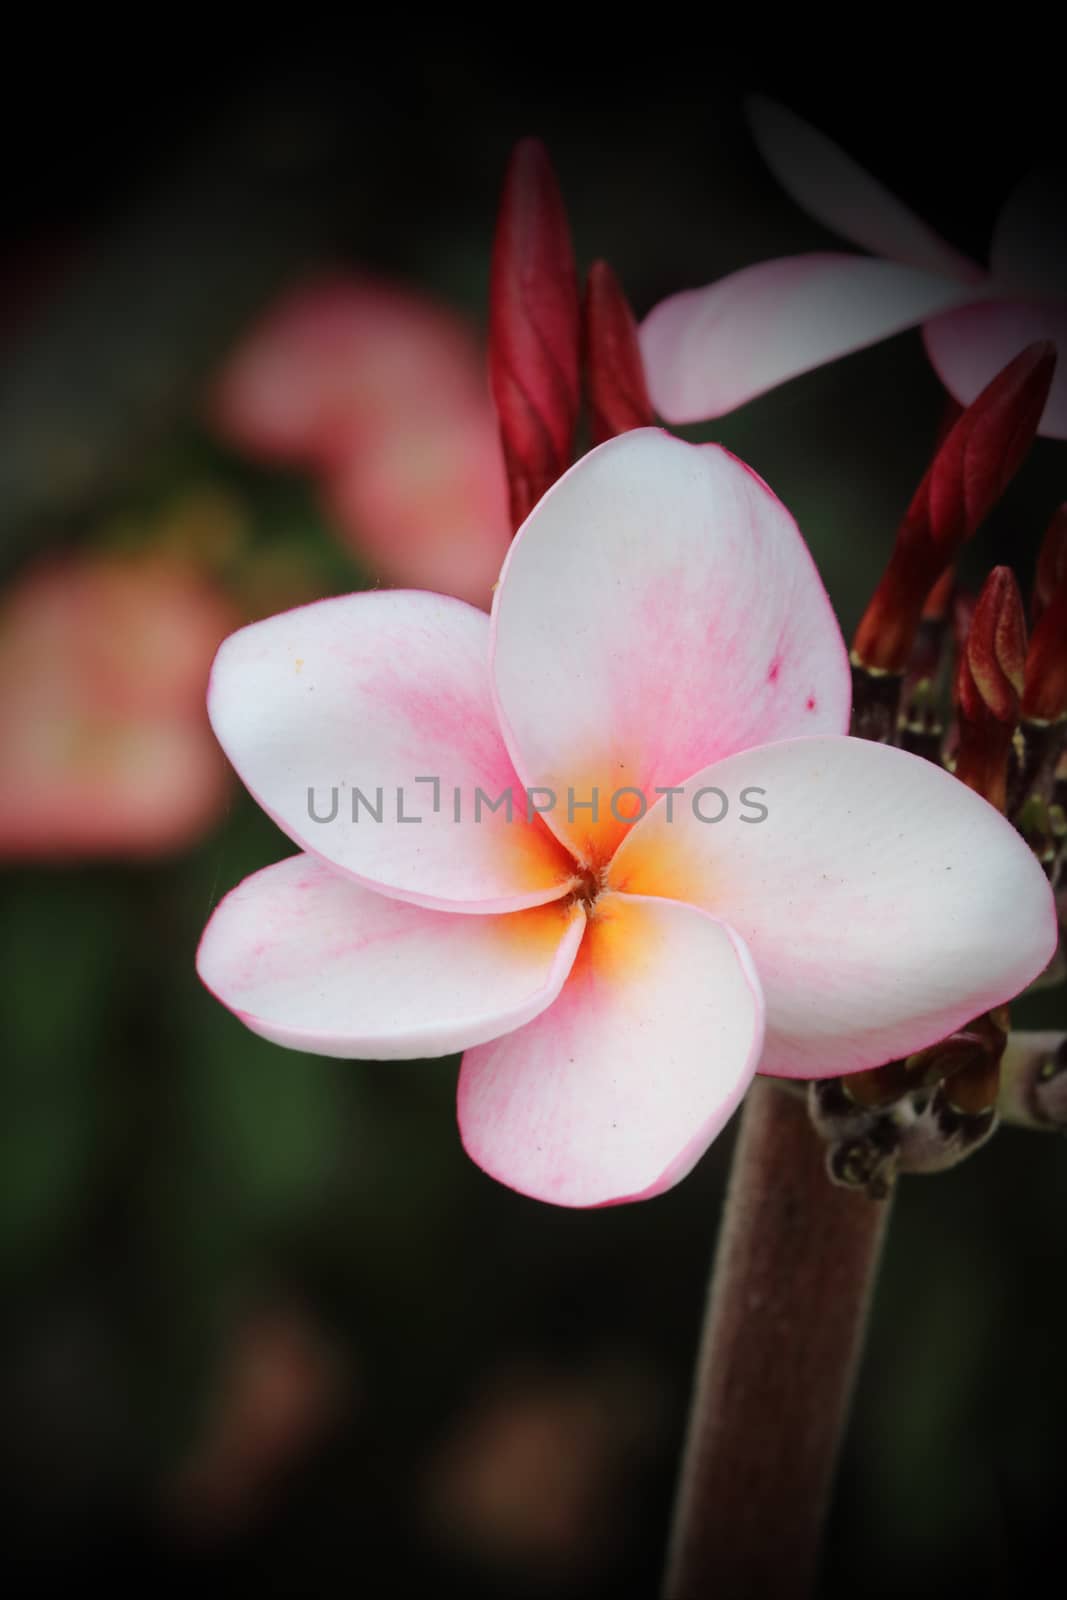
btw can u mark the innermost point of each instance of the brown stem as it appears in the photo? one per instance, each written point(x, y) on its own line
point(792, 1280)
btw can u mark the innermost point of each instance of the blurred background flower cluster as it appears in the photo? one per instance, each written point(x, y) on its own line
point(264, 1320)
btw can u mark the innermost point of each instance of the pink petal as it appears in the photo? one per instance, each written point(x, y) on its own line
point(658, 611)
point(311, 960)
point(370, 693)
point(709, 350)
point(96, 787)
point(616, 1092)
point(105, 747)
point(423, 502)
point(884, 903)
point(337, 353)
point(1029, 251)
point(970, 346)
point(837, 191)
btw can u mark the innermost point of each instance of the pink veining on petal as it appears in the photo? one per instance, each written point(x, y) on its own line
point(690, 580)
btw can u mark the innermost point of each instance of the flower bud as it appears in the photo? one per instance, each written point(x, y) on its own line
point(996, 651)
point(975, 463)
point(534, 329)
point(614, 367)
point(1045, 694)
point(989, 684)
point(1051, 563)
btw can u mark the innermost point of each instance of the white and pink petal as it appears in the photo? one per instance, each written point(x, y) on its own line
point(834, 189)
point(313, 961)
point(883, 902)
point(708, 351)
point(658, 610)
point(364, 726)
point(615, 1092)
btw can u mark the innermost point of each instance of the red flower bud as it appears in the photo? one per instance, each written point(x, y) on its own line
point(1051, 563)
point(982, 452)
point(1045, 694)
point(996, 651)
point(614, 368)
point(973, 466)
point(534, 328)
point(1044, 704)
point(989, 684)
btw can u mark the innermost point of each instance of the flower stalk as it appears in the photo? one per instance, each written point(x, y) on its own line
point(794, 1273)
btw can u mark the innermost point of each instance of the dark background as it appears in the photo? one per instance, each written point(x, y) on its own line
point(171, 1181)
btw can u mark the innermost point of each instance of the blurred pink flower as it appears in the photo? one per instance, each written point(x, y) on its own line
point(104, 745)
point(615, 968)
point(383, 394)
point(709, 350)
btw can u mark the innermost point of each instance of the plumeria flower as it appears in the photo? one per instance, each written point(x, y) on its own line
point(104, 745)
point(709, 350)
point(382, 394)
point(659, 637)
